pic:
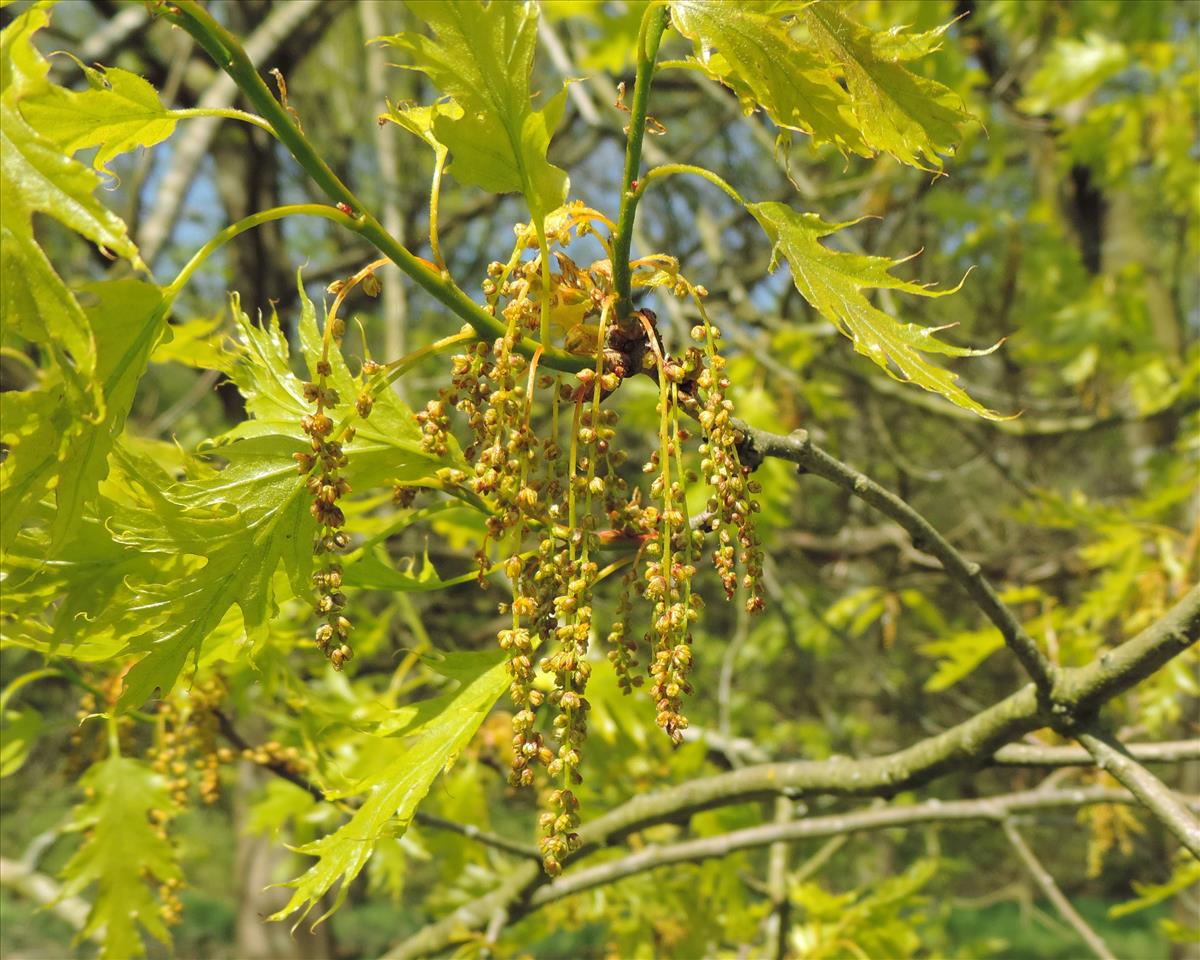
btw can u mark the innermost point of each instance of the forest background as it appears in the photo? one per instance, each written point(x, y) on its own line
point(1070, 204)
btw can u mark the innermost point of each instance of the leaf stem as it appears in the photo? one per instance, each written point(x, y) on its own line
point(654, 21)
point(228, 113)
point(435, 195)
point(673, 169)
point(227, 52)
point(219, 240)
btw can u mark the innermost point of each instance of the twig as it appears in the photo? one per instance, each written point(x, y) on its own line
point(228, 53)
point(998, 808)
point(799, 449)
point(1027, 755)
point(1041, 876)
point(1152, 792)
point(779, 921)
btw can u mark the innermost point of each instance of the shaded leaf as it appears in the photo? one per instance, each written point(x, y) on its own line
point(392, 794)
point(124, 855)
point(833, 283)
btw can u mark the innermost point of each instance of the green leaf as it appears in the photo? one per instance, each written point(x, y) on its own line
point(392, 794)
point(242, 521)
point(1073, 69)
point(419, 121)
point(758, 58)
point(908, 116)
point(124, 854)
point(194, 343)
point(36, 177)
point(959, 655)
point(36, 426)
point(19, 730)
point(1185, 876)
point(482, 57)
point(127, 318)
point(118, 113)
point(62, 432)
point(833, 283)
point(386, 447)
point(75, 604)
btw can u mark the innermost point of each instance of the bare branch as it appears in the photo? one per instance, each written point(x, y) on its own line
point(1041, 876)
point(799, 449)
point(1152, 792)
point(1027, 755)
point(998, 809)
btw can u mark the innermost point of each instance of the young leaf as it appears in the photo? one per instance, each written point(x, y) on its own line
point(36, 426)
point(392, 794)
point(833, 283)
point(903, 114)
point(69, 607)
point(242, 520)
point(419, 120)
point(387, 445)
point(117, 114)
point(127, 318)
point(51, 442)
point(757, 57)
point(123, 853)
point(482, 56)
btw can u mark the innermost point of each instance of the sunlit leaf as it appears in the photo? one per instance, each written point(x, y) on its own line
point(119, 112)
point(242, 521)
point(751, 50)
point(833, 283)
point(899, 112)
point(127, 318)
point(482, 57)
point(386, 446)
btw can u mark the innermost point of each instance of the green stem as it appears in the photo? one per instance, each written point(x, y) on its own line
point(171, 291)
point(673, 169)
point(435, 195)
point(544, 249)
point(227, 113)
point(227, 52)
point(654, 21)
point(680, 65)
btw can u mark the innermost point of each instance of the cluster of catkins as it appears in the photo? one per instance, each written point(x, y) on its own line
point(545, 463)
point(322, 466)
point(549, 472)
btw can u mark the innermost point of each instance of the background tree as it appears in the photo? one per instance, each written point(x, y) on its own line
point(162, 691)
